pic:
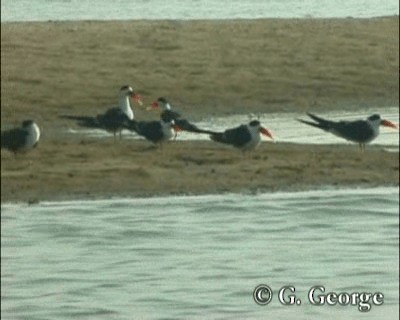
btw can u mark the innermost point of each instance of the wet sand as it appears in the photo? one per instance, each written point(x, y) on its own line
point(204, 68)
point(93, 168)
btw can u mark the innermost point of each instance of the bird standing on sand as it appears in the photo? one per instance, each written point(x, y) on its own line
point(156, 132)
point(113, 119)
point(167, 114)
point(358, 131)
point(21, 139)
point(244, 137)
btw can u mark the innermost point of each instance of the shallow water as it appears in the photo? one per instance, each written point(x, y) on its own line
point(42, 10)
point(199, 256)
point(284, 126)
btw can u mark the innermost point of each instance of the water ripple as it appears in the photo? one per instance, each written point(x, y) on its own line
point(196, 256)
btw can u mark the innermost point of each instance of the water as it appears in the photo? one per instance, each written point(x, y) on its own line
point(42, 10)
point(199, 257)
point(284, 127)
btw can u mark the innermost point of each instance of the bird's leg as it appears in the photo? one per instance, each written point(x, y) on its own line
point(161, 147)
point(120, 134)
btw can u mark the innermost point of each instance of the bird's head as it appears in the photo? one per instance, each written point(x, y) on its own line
point(127, 91)
point(376, 118)
point(160, 103)
point(256, 125)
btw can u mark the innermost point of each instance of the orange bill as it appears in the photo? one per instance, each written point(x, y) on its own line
point(266, 132)
point(137, 98)
point(388, 123)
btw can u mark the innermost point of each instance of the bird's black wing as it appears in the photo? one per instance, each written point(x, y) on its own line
point(237, 137)
point(151, 130)
point(13, 139)
point(358, 131)
point(112, 119)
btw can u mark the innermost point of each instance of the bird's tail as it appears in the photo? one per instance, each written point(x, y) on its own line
point(84, 121)
point(319, 119)
point(320, 122)
point(185, 125)
point(314, 124)
point(218, 137)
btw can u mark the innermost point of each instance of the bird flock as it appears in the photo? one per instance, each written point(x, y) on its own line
point(244, 137)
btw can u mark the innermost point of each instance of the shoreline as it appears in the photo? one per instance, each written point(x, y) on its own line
point(247, 192)
point(205, 19)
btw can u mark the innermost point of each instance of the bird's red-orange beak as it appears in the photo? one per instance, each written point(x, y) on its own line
point(388, 123)
point(266, 132)
point(137, 98)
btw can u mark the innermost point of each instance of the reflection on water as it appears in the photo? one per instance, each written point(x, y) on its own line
point(199, 256)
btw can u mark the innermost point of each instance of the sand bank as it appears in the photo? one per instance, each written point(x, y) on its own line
point(93, 169)
point(204, 68)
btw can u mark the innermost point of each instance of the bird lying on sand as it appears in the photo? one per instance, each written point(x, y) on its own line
point(167, 114)
point(244, 137)
point(21, 139)
point(156, 132)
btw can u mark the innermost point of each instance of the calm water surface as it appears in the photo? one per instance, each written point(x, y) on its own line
point(199, 257)
point(42, 10)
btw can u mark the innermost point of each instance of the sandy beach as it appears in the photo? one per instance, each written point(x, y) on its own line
point(98, 169)
point(204, 68)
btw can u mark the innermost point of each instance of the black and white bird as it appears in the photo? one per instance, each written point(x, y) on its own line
point(156, 132)
point(114, 119)
point(358, 131)
point(21, 139)
point(167, 114)
point(244, 137)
